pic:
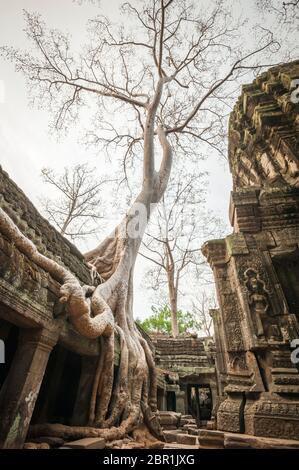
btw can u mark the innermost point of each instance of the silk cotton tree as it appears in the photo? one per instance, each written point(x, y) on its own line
point(173, 239)
point(157, 84)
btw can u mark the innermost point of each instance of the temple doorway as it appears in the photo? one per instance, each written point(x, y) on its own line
point(58, 392)
point(171, 401)
point(199, 399)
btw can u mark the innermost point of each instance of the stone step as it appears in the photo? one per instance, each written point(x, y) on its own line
point(211, 439)
point(180, 446)
point(184, 422)
point(186, 439)
point(169, 418)
point(211, 425)
point(244, 441)
point(170, 436)
point(87, 443)
point(225, 440)
point(190, 426)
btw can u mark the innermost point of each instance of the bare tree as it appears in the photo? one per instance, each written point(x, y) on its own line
point(80, 205)
point(169, 68)
point(285, 12)
point(175, 235)
point(201, 304)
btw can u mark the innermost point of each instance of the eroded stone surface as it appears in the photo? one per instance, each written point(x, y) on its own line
point(257, 267)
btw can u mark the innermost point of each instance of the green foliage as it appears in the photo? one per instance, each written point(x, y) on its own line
point(160, 321)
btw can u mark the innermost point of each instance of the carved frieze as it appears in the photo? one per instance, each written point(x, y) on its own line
point(229, 414)
point(273, 417)
point(234, 340)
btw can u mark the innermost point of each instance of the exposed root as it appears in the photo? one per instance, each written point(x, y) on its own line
point(97, 377)
point(78, 432)
point(119, 401)
point(145, 439)
point(105, 385)
point(152, 375)
point(36, 445)
point(126, 400)
point(120, 390)
point(78, 305)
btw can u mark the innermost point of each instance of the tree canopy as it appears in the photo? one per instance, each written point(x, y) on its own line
point(160, 321)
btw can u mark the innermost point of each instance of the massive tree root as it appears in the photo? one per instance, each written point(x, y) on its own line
point(122, 402)
point(115, 406)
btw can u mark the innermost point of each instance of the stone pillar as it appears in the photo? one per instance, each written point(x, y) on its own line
point(180, 402)
point(220, 363)
point(214, 396)
point(22, 385)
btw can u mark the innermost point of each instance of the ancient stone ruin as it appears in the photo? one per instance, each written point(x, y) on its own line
point(224, 392)
point(186, 370)
point(256, 269)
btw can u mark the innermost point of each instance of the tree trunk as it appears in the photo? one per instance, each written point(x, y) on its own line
point(173, 298)
point(118, 404)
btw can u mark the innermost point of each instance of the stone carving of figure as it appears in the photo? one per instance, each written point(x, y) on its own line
point(258, 298)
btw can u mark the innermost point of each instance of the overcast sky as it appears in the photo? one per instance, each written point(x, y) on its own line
point(25, 143)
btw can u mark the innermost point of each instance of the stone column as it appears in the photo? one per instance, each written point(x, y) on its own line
point(220, 363)
point(180, 401)
point(22, 385)
point(214, 395)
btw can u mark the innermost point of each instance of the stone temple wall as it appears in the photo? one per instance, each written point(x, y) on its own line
point(45, 358)
point(256, 268)
point(47, 362)
point(183, 363)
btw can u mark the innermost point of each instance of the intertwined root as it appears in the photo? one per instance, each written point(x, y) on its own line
point(121, 402)
point(118, 407)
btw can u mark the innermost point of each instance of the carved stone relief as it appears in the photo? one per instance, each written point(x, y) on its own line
point(234, 339)
point(257, 291)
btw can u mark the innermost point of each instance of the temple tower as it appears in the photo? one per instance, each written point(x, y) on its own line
point(256, 268)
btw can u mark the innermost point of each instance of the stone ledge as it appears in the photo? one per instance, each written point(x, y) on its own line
point(186, 439)
point(226, 440)
point(87, 443)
